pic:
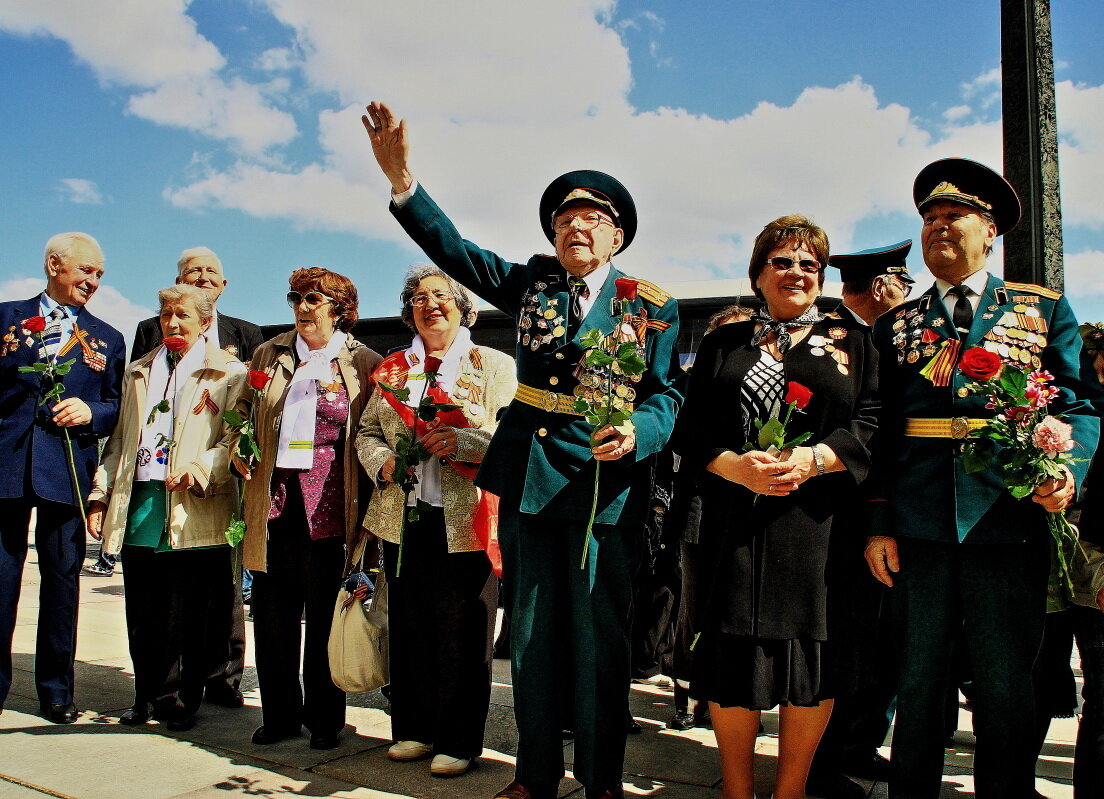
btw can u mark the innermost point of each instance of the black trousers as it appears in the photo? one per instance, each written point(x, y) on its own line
point(442, 615)
point(59, 543)
point(175, 605)
point(996, 593)
point(303, 577)
point(228, 676)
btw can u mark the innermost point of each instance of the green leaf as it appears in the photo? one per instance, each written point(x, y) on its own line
point(412, 513)
point(235, 532)
point(626, 349)
point(401, 394)
point(599, 359)
point(1020, 491)
point(234, 419)
point(62, 369)
point(633, 364)
point(771, 433)
point(26, 369)
point(427, 413)
point(581, 406)
point(254, 449)
point(402, 445)
point(591, 338)
point(39, 367)
point(796, 441)
point(445, 407)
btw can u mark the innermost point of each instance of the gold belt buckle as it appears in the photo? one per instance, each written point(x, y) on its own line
point(549, 401)
point(960, 427)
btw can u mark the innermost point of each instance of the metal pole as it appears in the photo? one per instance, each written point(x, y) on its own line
point(1033, 251)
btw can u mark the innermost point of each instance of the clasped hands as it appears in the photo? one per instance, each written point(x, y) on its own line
point(764, 472)
point(439, 443)
point(97, 507)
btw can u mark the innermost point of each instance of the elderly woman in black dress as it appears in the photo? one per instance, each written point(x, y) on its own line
point(764, 636)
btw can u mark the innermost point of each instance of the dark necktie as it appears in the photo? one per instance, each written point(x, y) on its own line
point(51, 338)
point(963, 310)
point(579, 292)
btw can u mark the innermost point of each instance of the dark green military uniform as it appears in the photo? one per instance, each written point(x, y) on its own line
point(972, 558)
point(569, 625)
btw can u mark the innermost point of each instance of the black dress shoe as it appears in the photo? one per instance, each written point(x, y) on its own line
point(871, 767)
point(139, 714)
point(322, 741)
point(264, 736)
point(60, 714)
point(181, 725)
point(632, 727)
point(224, 695)
point(682, 721)
point(833, 785)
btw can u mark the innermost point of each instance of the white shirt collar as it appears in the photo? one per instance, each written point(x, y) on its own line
point(975, 282)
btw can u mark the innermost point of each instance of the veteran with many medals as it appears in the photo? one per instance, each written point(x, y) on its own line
point(958, 550)
point(566, 609)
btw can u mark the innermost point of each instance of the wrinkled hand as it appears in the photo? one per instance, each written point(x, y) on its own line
point(389, 144)
point(71, 412)
point(618, 446)
point(180, 482)
point(881, 557)
point(1055, 495)
point(803, 460)
point(759, 471)
point(441, 442)
point(241, 467)
point(96, 510)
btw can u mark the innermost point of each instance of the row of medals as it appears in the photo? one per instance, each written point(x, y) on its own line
point(539, 325)
point(822, 345)
point(1018, 337)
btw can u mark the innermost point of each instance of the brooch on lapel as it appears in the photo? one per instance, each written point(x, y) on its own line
point(206, 401)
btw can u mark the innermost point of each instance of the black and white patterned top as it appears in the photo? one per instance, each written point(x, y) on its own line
point(762, 391)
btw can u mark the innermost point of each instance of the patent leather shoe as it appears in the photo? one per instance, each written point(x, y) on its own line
point(60, 714)
point(265, 735)
point(139, 714)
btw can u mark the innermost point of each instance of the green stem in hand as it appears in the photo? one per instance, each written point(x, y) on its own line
point(593, 513)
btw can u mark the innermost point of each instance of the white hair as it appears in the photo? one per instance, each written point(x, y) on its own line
point(61, 245)
point(191, 254)
point(182, 292)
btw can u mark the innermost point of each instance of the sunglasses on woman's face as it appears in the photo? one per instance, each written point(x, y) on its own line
point(312, 298)
point(784, 264)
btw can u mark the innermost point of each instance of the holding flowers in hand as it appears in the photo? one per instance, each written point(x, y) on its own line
point(1024, 442)
point(248, 449)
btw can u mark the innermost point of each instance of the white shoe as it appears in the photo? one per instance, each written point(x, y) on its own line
point(408, 750)
point(448, 766)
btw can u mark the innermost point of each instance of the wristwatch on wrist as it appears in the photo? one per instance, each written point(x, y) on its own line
point(818, 459)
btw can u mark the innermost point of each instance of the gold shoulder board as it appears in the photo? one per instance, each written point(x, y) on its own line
point(1050, 294)
point(652, 293)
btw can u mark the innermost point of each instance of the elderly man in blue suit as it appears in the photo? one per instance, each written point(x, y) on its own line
point(37, 475)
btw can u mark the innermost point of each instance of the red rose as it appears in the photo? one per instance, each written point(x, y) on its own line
point(258, 380)
point(980, 364)
point(626, 288)
point(175, 343)
point(432, 365)
point(36, 324)
point(798, 394)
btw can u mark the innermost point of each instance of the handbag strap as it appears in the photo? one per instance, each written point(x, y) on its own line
point(355, 560)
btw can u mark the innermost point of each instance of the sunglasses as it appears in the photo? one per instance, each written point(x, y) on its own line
point(784, 264)
point(312, 298)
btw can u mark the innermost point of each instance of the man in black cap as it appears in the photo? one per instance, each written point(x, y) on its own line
point(565, 607)
point(958, 551)
point(874, 281)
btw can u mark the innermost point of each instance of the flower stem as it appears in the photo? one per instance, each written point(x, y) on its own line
point(73, 475)
point(593, 513)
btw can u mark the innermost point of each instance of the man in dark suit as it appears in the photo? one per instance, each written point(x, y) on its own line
point(569, 592)
point(38, 472)
point(200, 267)
point(874, 281)
point(960, 553)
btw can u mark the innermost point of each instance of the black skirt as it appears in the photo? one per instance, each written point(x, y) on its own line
point(760, 673)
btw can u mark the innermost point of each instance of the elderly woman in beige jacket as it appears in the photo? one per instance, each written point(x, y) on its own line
point(442, 602)
point(302, 502)
point(164, 496)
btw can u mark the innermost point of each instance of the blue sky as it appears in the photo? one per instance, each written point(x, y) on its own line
point(157, 125)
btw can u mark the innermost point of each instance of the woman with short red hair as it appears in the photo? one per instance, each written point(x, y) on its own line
point(301, 501)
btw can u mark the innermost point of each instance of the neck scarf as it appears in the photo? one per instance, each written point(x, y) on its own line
point(300, 407)
point(450, 363)
point(782, 327)
point(167, 381)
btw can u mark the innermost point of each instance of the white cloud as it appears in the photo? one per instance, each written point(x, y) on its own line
point(957, 112)
point(1085, 269)
point(80, 191)
point(154, 46)
point(1081, 153)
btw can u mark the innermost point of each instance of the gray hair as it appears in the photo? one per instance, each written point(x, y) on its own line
point(419, 272)
point(182, 292)
point(191, 254)
point(61, 245)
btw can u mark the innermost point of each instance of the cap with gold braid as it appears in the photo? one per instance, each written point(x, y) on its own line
point(960, 180)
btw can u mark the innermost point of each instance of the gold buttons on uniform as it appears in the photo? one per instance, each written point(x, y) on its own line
point(963, 392)
point(553, 381)
point(542, 432)
point(559, 356)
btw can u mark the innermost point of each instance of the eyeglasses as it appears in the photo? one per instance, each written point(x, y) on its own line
point(421, 300)
point(312, 298)
point(587, 220)
point(784, 264)
point(904, 286)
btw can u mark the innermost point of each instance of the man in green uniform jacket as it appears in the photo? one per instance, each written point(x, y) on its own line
point(959, 551)
point(569, 624)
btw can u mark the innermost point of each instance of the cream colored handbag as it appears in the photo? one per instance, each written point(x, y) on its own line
point(358, 635)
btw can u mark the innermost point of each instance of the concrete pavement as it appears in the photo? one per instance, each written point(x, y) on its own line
point(97, 758)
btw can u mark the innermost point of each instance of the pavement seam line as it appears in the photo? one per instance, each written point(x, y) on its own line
point(33, 787)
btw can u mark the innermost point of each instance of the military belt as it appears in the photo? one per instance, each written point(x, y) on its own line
point(958, 427)
point(546, 400)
